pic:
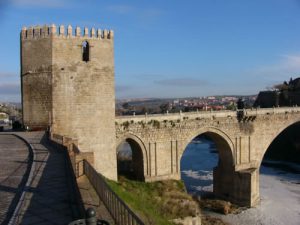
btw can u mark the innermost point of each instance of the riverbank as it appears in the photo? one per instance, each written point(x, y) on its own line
point(280, 198)
point(158, 202)
point(279, 188)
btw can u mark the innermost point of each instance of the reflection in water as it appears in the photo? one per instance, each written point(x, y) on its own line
point(197, 163)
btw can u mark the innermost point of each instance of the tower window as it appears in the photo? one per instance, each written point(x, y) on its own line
point(85, 51)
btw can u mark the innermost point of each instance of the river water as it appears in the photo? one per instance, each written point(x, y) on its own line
point(279, 187)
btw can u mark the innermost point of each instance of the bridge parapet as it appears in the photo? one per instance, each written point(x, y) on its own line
point(274, 110)
point(206, 114)
point(177, 116)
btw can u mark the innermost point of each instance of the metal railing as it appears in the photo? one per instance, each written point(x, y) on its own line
point(120, 212)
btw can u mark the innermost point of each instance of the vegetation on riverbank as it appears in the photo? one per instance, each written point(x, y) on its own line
point(158, 202)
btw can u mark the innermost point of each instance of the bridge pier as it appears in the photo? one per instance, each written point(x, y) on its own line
point(246, 187)
point(239, 187)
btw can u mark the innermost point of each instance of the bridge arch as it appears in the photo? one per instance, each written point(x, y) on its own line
point(223, 142)
point(276, 134)
point(223, 172)
point(139, 155)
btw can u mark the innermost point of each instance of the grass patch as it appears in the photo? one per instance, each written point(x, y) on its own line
point(157, 202)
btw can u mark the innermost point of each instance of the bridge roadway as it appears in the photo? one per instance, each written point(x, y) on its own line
point(48, 196)
point(15, 163)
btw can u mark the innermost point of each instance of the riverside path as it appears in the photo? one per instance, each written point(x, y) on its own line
point(35, 183)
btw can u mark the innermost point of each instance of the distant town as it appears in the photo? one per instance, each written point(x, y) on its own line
point(11, 112)
point(173, 105)
point(285, 94)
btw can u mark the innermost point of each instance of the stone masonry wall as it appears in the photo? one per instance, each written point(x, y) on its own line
point(81, 93)
point(83, 97)
point(241, 144)
point(36, 58)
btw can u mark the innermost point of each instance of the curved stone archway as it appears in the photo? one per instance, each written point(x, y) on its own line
point(221, 139)
point(223, 172)
point(139, 156)
point(241, 143)
point(278, 132)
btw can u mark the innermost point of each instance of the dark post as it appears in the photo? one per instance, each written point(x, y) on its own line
point(240, 109)
point(91, 218)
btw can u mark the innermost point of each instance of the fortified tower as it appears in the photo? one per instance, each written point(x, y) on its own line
point(68, 85)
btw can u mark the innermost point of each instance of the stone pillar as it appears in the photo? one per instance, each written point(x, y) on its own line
point(246, 187)
point(223, 182)
point(241, 187)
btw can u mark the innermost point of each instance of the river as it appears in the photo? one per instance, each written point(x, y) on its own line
point(279, 187)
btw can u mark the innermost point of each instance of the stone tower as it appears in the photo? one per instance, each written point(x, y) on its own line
point(68, 85)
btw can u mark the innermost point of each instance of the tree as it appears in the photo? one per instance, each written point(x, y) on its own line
point(281, 87)
point(164, 107)
point(126, 105)
point(144, 110)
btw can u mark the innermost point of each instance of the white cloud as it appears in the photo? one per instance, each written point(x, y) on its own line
point(9, 88)
point(123, 88)
point(151, 14)
point(39, 3)
point(144, 14)
point(182, 82)
point(121, 9)
point(287, 65)
point(7, 75)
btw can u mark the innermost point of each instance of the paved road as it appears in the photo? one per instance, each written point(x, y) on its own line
point(14, 164)
point(49, 197)
point(90, 198)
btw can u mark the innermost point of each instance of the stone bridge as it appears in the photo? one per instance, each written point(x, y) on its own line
point(69, 89)
point(242, 138)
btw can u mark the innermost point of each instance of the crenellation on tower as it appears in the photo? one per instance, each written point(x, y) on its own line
point(111, 34)
point(45, 31)
point(52, 29)
point(99, 33)
point(61, 30)
point(86, 32)
point(93, 33)
point(29, 33)
point(105, 34)
point(24, 33)
point(69, 31)
point(77, 32)
point(36, 31)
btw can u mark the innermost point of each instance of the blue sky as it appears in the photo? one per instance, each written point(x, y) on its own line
point(171, 48)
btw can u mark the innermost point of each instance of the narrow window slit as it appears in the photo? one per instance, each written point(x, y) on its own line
point(85, 51)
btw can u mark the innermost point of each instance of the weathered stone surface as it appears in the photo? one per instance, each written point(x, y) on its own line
point(72, 96)
point(241, 144)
